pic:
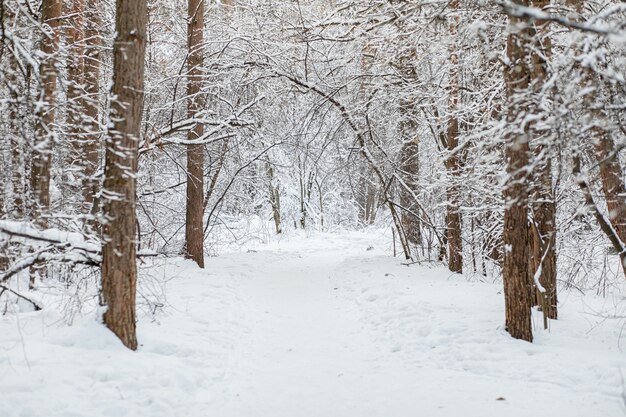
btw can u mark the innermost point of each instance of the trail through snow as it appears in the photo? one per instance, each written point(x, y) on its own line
point(321, 326)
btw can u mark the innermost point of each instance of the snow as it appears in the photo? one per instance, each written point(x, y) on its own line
point(317, 325)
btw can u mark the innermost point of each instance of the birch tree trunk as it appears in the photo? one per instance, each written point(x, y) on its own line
point(119, 269)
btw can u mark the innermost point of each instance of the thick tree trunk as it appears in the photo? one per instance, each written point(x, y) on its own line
point(517, 288)
point(42, 152)
point(119, 269)
point(453, 214)
point(194, 236)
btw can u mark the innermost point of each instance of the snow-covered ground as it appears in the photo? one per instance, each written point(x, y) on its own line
point(328, 325)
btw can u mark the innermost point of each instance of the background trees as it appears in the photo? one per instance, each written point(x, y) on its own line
point(488, 135)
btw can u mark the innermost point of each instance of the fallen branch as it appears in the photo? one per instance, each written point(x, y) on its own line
point(35, 304)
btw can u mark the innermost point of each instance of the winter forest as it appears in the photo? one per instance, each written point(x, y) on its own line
point(308, 208)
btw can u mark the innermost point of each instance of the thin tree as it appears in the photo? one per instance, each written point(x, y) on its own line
point(194, 236)
point(453, 214)
point(408, 128)
point(82, 36)
point(119, 269)
point(44, 129)
point(542, 237)
point(91, 104)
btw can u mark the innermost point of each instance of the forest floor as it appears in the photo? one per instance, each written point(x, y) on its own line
point(326, 325)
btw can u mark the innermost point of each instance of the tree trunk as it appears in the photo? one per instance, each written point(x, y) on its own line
point(611, 174)
point(91, 102)
point(453, 215)
point(82, 34)
point(194, 236)
point(274, 197)
point(517, 289)
point(543, 244)
point(409, 167)
point(119, 269)
point(409, 153)
point(44, 136)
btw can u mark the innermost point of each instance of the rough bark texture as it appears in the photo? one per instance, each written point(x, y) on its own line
point(119, 269)
point(194, 236)
point(42, 152)
point(543, 241)
point(453, 215)
point(517, 289)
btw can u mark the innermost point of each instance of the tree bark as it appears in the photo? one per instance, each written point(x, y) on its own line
point(409, 153)
point(453, 214)
point(91, 105)
point(543, 239)
point(82, 34)
point(611, 174)
point(44, 128)
point(119, 269)
point(194, 236)
point(517, 289)
point(409, 167)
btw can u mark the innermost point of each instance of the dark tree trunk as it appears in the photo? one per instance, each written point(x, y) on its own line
point(194, 236)
point(453, 214)
point(119, 269)
point(517, 288)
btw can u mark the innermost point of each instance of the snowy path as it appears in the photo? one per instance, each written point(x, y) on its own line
point(318, 327)
point(308, 354)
